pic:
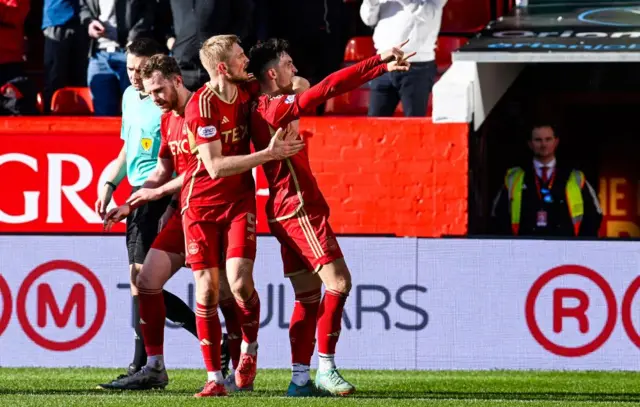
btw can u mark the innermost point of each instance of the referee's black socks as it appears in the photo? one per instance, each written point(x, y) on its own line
point(179, 312)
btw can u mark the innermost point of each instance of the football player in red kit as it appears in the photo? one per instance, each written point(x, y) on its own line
point(218, 202)
point(163, 82)
point(298, 213)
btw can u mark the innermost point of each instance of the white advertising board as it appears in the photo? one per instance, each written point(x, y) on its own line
point(415, 304)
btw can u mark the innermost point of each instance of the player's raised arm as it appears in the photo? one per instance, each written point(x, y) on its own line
point(354, 76)
point(284, 144)
point(273, 66)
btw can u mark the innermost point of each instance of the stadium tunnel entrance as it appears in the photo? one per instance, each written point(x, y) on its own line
point(573, 65)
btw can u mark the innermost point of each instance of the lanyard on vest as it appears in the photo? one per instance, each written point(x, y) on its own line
point(539, 188)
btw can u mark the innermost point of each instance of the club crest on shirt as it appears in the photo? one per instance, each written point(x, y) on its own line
point(146, 143)
point(193, 248)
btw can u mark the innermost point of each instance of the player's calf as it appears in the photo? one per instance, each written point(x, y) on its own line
point(209, 330)
point(337, 280)
point(302, 331)
point(232, 317)
point(240, 276)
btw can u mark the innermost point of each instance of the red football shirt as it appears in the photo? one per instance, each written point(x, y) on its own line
point(291, 181)
point(175, 143)
point(209, 118)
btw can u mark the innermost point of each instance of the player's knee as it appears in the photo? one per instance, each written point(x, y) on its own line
point(145, 281)
point(206, 295)
point(241, 280)
point(342, 284)
point(206, 292)
point(340, 279)
point(242, 289)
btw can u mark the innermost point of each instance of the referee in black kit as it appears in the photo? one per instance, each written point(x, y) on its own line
point(140, 132)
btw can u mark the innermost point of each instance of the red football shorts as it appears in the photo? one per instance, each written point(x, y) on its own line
point(208, 230)
point(307, 241)
point(171, 237)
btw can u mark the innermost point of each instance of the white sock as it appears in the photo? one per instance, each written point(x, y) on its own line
point(250, 348)
point(326, 362)
point(215, 376)
point(156, 361)
point(300, 374)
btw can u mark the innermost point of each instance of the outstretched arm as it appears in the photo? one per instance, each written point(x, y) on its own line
point(285, 109)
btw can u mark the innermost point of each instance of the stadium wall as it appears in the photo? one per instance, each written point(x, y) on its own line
point(415, 304)
point(405, 177)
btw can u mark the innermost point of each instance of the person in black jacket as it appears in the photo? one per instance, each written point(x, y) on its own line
point(194, 21)
point(544, 199)
point(112, 24)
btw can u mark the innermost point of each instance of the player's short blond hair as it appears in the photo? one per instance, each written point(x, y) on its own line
point(217, 49)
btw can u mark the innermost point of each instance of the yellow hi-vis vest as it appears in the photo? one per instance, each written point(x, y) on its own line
point(514, 180)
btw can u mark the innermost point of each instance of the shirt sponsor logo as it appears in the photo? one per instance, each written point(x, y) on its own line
point(207, 131)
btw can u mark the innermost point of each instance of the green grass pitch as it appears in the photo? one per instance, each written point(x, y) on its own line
point(76, 387)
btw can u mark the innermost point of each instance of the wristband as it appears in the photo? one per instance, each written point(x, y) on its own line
point(111, 184)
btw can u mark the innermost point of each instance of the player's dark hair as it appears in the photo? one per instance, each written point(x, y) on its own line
point(144, 47)
point(264, 54)
point(164, 64)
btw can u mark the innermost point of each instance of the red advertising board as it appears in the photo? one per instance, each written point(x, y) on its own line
point(51, 174)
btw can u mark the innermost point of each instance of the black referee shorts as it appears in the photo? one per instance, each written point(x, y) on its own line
point(142, 227)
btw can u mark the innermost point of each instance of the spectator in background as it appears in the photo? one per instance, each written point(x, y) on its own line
point(65, 47)
point(194, 22)
point(17, 94)
point(313, 30)
point(545, 199)
point(112, 24)
point(12, 16)
point(394, 21)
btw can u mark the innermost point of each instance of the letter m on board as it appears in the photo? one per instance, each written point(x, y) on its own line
point(76, 299)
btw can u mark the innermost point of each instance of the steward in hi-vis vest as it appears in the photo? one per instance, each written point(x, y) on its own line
point(544, 199)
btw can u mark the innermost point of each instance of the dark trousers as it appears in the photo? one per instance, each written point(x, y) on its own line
point(108, 79)
point(194, 77)
point(65, 59)
point(412, 88)
point(11, 71)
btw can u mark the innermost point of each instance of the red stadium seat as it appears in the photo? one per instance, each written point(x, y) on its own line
point(359, 48)
point(444, 48)
point(72, 101)
point(354, 103)
point(465, 16)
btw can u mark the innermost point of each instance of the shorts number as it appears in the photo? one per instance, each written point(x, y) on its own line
point(251, 220)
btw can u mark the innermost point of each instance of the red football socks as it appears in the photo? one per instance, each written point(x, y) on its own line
point(152, 317)
point(302, 328)
point(210, 335)
point(250, 317)
point(232, 316)
point(330, 321)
